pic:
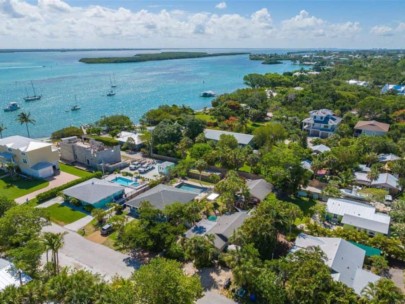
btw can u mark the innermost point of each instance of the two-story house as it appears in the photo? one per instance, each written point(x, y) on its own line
point(33, 157)
point(321, 123)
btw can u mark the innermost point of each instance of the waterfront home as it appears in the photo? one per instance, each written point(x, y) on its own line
point(259, 189)
point(136, 139)
point(33, 157)
point(222, 228)
point(384, 181)
point(241, 138)
point(396, 88)
point(160, 197)
point(344, 259)
point(91, 154)
point(371, 128)
point(165, 167)
point(356, 215)
point(96, 192)
point(11, 276)
point(321, 123)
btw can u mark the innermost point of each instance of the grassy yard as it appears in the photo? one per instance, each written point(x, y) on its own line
point(304, 203)
point(205, 117)
point(13, 189)
point(63, 215)
point(73, 170)
point(197, 181)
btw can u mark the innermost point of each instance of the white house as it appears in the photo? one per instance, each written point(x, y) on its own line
point(343, 258)
point(371, 128)
point(11, 276)
point(242, 139)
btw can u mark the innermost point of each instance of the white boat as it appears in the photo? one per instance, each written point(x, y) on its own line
point(110, 93)
point(12, 106)
point(113, 83)
point(32, 97)
point(208, 94)
point(75, 108)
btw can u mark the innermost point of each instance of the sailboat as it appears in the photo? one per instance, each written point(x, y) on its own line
point(113, 83)
point(33, 97)
point(110, 93)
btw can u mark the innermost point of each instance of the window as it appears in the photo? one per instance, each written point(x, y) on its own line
point(24, 161)
point(22, 153)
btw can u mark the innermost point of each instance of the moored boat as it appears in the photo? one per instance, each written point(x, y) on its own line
point(12, 106)
point(208, 94)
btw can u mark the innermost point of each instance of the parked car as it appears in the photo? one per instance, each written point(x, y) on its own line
point(106, 230)
point(133, 167)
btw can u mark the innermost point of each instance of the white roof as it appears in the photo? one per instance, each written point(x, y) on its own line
point(242, 138)
point(24, 144)
point(212, 196)
point(124, 135)
point(388, 157)
point(384, 179)
point(320, 148)
point(344, 258)
point(9, 275)
point(359, 214)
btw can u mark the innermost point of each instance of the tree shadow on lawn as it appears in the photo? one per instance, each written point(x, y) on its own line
point(304, 203)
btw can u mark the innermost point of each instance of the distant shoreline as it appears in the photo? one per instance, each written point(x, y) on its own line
point(157, 57)
point(72, 50)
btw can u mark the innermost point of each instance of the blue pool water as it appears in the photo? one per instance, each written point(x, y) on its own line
point(124, 181)
point(59, 77)
point(191, 188)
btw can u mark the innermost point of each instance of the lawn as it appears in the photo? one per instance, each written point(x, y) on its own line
point(63, 215)
point(17, 188)
point(73, 170)
point(304, 203)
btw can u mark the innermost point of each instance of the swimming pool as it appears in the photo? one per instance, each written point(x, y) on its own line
point(125, 181)
point(191, 188)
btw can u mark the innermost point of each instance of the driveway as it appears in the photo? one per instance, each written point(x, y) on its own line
point(397, 276)
point(81, 253)
point(55, 181)
point(76, 226)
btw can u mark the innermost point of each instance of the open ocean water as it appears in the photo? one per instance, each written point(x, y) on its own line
point(59, 77)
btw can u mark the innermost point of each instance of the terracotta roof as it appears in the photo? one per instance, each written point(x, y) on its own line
point(372, 125)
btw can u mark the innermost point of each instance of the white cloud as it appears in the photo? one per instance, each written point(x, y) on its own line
point(221, 5)
point(382, 30)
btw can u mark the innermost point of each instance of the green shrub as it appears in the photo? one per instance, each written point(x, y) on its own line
point(88, 208)
point(55, 191)
point(108, 141)
point(125, 173)
point(67, 132)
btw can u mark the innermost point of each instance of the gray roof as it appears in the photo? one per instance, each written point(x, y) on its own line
point(223, 228)
point(162, 196)
point(10, 275)
point(344, 258)
point(211, 297)
point(384, 180)
point(365, 223)
point(93, 190)
point(388, 157)
point(259, 188)
point(243, 139)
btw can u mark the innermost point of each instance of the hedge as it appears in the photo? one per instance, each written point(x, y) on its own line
point(108, 141)
point(55, 191)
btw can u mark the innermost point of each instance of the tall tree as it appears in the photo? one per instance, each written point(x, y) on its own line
point(383, 291)
point(53, 242)
point(25, 118)
point(2, 129)
point(163, 281)
point(201, 165)
point(201, 250)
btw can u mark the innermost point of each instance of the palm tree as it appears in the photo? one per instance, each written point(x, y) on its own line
point(2, 128)
point(53, 242)
point(201, 165)
point(383, 291)
point(25, 118)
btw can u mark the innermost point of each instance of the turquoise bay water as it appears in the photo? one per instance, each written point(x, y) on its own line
point(58, 76)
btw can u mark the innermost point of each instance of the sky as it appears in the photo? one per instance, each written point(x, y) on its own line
point(202, 24)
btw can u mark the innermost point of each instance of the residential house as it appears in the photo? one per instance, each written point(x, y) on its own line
point(384, 181)
point(371, 128)
point(96, 192)
point(211, 297)
point(124, 136)
point(397, 88)
point(357, 82)
point(11, 276)
point(356, 215)
point(344, 259)
point(313, 190)
point(384, 158)
point(222, 228)
point(160, 197)
point(165, 167)
point(259, 189)
point(242, 139)
point(319, 149)
point(33, 157)
point(91, 153)
point(321, 123)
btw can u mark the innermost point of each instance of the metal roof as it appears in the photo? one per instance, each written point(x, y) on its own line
point(365, 223)
point(320, 148)
point(93, 190)
point(242, 139)
point(384, 179)
point(388, 157)
point(162, 196)
point(9, 275)
point(259, 188)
